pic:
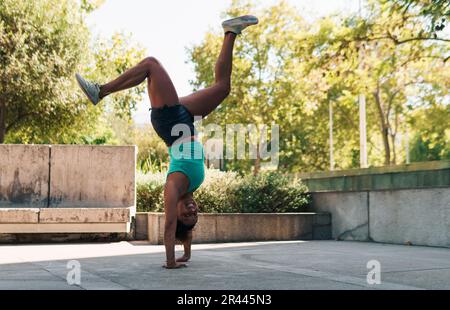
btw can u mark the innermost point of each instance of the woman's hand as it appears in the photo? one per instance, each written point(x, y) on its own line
point(183, 259)
point(174, 265)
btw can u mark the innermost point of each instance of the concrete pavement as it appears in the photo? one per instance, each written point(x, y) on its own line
point(296, 265)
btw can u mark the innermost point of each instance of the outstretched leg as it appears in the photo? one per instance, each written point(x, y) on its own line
point(203, 102)
point(160, 87)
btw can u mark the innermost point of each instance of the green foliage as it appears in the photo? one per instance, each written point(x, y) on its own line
point(431, 140)
point(437, 11)
point(43, 44)
point(218, 193)
point(271, 193)
point(289, 71)
point(286, 70)
point(112, 58)
point(149, 192)
point(91, 5)
point(262, 81)
point(152, 152)
point(228, 192)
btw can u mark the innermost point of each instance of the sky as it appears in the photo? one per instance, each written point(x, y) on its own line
point(167, 27)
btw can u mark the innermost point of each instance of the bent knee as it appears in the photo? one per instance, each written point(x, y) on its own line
point(151, 61)
point(225, 89)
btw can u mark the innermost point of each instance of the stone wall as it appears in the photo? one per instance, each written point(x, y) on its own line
point(407, 204)
point(92, 176)
point(24, 176)
point(239, 227)
point(66, 189)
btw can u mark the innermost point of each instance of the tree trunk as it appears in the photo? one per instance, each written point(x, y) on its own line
point(384, 127)
point(257, 163)
point(393, 136)
point(2, 122)
point(394, 155)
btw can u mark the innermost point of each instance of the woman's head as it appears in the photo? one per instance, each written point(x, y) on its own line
point(187, 216)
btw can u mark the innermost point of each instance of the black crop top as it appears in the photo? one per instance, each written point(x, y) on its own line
point(166, 118)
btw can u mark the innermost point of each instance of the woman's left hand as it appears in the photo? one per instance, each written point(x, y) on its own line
point(183, 259)
point(174, 266)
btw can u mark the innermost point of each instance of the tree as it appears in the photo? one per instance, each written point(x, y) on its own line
point(374, 56)
point(431, 133)
point(259, 72)
point(111, 58)
point(43, 44)
point(437, 11)
point(289, 71)
point(90, 5)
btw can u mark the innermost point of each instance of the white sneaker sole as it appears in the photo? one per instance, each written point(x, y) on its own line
point(246, 20)
point(240, 22)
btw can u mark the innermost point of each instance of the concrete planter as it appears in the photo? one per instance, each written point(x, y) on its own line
point(239, 227)
point(405, 204)
point(65, 191)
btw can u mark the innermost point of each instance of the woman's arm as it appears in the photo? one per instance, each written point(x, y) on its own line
point(187, 249)
point(172, 193)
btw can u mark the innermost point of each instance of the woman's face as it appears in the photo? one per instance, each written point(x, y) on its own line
point(187, 210)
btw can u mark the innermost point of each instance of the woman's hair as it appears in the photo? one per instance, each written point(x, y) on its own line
point(182, 231)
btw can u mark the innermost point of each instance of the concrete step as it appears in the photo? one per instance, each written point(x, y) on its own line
point(65, 220)
point(239, 227)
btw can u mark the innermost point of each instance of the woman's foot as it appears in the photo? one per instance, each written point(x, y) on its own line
point(91, 90)
point(236, 25)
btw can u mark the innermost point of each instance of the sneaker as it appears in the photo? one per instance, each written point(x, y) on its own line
point(236, 25)
point(91, 90)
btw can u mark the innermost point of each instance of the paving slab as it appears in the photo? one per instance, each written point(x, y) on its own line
point(294, 265)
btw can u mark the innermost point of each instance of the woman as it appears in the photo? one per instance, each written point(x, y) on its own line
point(172, 118)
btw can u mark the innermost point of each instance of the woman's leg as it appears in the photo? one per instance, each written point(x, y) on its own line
point(160, 87)
point(203, 102)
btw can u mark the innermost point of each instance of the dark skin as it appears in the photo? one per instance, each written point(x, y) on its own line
point(185, 211)
point(178, 203)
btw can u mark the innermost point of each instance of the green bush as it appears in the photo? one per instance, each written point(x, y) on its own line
point(271, 193)
point(227, 192)
point(217, 193)
point(149, 192)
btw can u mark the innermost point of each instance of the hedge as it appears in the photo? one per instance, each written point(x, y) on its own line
point(228, 192)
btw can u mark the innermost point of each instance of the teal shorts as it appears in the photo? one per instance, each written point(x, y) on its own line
point(189, 159)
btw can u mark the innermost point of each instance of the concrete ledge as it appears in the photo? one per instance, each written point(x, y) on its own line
point(59, 189)
point(405, 204)
point(411, 216)
point(63, 237)
point(84, 215)
point(141, 232)
point(19, 215)
point(421, 166)
point(65, 220)
point(65, 228)
point(243, 227)
point(414, 176)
